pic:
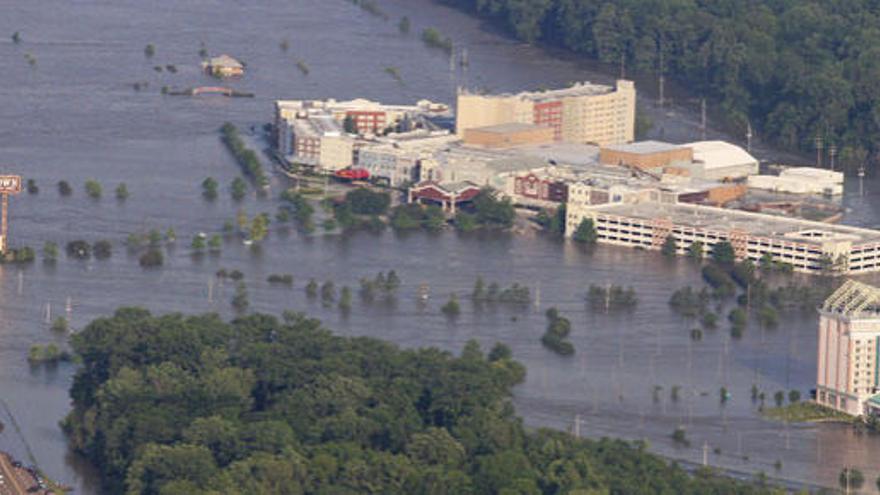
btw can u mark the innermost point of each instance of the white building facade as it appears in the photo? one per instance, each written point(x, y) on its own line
point(644, 218)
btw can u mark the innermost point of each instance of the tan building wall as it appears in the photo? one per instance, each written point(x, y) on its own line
point(645, 160)
point(603, 118)
point(336, 152)
point(475, 111)
point(724, 194)
point(498, 137)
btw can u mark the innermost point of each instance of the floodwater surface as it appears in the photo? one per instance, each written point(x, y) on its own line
point(74, 114)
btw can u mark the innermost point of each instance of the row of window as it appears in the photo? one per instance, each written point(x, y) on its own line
point(798, 255)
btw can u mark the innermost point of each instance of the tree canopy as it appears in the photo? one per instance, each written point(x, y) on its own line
point(180, 404)
point(364, 201)
point(794, 69)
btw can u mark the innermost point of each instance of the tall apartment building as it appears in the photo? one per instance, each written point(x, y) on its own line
point(848, 358)
point(583, 113)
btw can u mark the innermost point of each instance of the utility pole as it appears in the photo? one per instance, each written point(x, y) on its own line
point(703, 118)
point(705, 453)
point(662, 80)
point(749, 137)
point(577, 425)
point(452, 75)
point(818, 141)
point(861, 179)
point(832, 152)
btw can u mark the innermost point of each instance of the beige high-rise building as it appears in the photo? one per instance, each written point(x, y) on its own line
point(847, 368)
point(583, 113)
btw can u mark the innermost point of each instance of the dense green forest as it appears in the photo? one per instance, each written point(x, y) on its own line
point(795, 69)
point(194, 405)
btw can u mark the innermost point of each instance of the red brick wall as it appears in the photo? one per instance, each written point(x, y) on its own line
point(366, 121)
point(550, 114)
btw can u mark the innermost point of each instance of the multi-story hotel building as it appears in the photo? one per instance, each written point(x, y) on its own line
point(848, 370)
point(368, 117)
point(645, 217)
point(583, 113)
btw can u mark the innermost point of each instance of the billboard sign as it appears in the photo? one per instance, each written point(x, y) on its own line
point(10, 184)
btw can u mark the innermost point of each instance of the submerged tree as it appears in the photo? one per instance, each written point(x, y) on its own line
point(50, 251)
point(152, 258)
point(695, 250)
point(404, 25)
point(312, 288)
point(238, 189)
point(64, 188)
point(240, 300)
point(723, 254)
point(93, 189)
point(209, 188)
point(345, 299)
point(122, 192)
point(670, 248)
point(586, 232)
point(851, 478)
point(451, 309)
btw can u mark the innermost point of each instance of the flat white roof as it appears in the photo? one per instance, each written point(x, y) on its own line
point(225, 61)
point(725, 220)
point(813, 173)
point(645, 147)
point(585, 88)
point(720, 154)
point(506, 128)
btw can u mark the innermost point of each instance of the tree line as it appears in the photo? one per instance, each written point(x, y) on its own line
point(181, 404)
point(794, 70)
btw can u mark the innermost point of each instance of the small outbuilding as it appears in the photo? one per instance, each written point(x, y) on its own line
point(223, 66)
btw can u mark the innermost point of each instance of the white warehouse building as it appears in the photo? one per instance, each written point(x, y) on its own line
point(716, 160)
point(801, 180)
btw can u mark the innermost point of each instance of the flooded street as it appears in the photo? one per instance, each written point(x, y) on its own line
point(74, 115)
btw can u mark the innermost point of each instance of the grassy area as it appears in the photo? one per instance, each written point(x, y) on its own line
point(806, 412)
